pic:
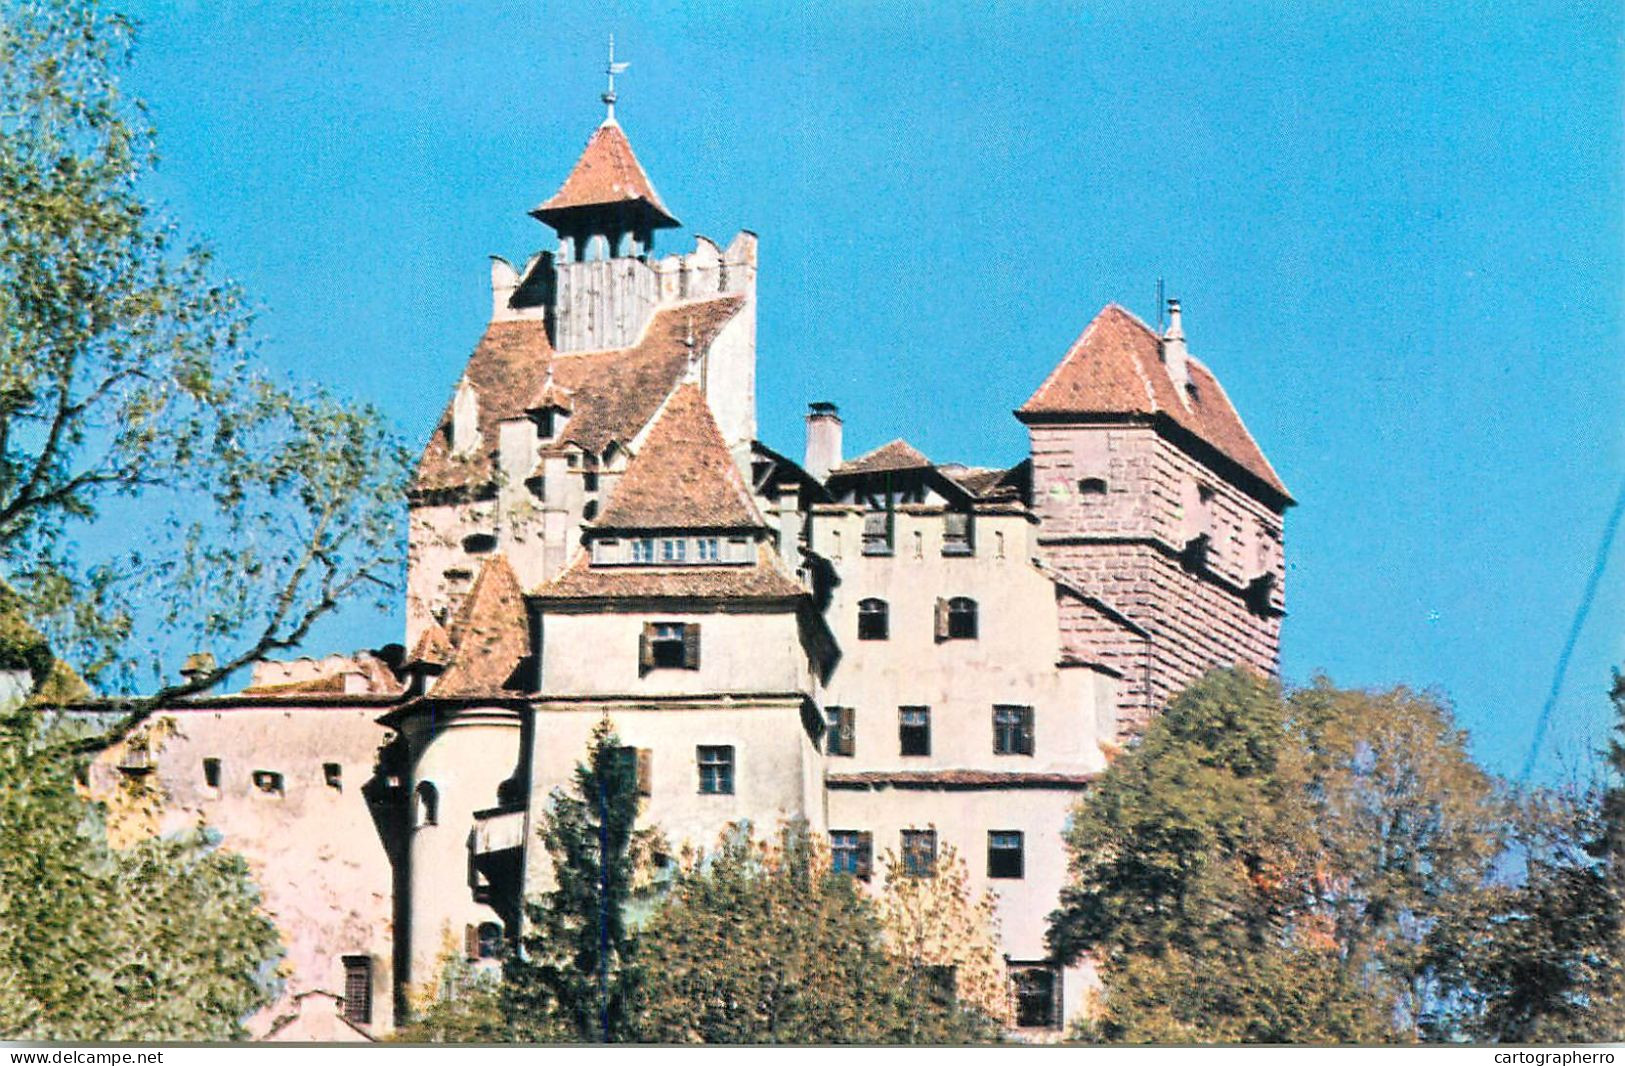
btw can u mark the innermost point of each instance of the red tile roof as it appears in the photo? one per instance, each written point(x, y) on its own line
point(433, 647)
point(766, 579)
point(607, 173)
point(1115, 368)
point(613, 392)
point(490, 637)
point(957, 779)
point(683, 476)
point(896, 455)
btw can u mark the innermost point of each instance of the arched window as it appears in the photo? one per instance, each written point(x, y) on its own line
point(874, 621)
point(490, 941)
point(597, 248)
point(961, 618)
point(426, 809)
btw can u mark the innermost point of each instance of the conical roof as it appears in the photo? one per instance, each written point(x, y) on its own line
point(607, 175)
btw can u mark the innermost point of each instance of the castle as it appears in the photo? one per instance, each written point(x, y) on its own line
point(904, 653)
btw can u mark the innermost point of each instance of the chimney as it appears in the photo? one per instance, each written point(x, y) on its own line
point(1174, 355)
point(823, 440)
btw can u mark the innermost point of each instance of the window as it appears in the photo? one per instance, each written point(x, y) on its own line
point(1038, 995)
point(1005, 854)
point(607, 550)
point(674, 645)
point(641, 763)
point(920, 852)
point(1012, 730)
point(643, 550)
point(268, 781)
point(852, 852)
point(716, 770)
point(956, 619)
point(841, 739)
point(956, 533)
point(941, 983)
point(358, 989)
point(877, 533)
point(707, 550)
point(1092, 486)
point(426, 808)
point(211, 773)
point(914, 730)
point(478, 543)
point(873, 620)
point(487, 941)
point(333, 774)
point(589, 481)
point(589, 510)
point(674, 550)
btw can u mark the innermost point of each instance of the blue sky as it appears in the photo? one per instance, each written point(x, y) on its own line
point(1397, 234)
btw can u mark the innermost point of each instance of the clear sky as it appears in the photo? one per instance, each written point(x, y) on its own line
point(1397, 234)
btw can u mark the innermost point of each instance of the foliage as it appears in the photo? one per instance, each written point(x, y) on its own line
point(464, 1005)
point(579, 974)
point(163, 941)
point(762, 943)
point(127, 399)
point(1408, 828)
point(934, 922)
point(1541, 957)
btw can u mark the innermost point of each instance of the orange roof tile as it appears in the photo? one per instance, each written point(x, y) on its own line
point(433, 647)
point(682, 477)
point(607, 173)
point(491, 635)
point(765, 579)
point(1115, 368)
point(895, 455)
point(612, 393)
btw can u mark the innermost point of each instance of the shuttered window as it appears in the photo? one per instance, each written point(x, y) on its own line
point(841, 738)
point(669, 645)
point(1037, 992)
point(852, 852)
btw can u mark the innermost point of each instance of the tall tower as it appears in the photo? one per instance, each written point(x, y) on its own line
point(1155, 506)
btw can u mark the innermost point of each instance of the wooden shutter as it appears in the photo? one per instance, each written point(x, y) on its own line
point(845, 731)
point(1024, 732)
point(942, 619)
point(471, 942)
point(866, 855)
point(691, 646)
point(645, 772)
point(646, 649)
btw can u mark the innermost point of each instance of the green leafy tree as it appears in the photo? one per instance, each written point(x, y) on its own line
point(762, 943)
point(1193, 869)
point(579, 974)
point(128, 400)
point(161, 941)
point(1408, 827)
point(1541, 957)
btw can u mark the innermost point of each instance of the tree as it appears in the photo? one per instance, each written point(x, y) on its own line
point(128, 401)
point(933, 926)
point(762, 943)
point(160, 941)
point(1408, 827)
point(579, 973)
point(1193, 864)
point(1541, 957)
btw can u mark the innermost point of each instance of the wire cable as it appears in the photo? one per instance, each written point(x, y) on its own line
point(1590, 594)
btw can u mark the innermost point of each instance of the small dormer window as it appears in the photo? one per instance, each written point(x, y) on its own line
point(674, 550)
point(643, 550)
point(708, 549)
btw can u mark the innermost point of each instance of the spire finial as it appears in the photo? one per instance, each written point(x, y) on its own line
point(612, 69)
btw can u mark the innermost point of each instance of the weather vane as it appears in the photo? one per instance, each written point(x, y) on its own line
point(612, 69)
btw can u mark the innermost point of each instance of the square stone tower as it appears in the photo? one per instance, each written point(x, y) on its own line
point(1159, 514)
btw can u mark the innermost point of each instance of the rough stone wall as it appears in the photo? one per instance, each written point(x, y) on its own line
point(314, 849)
point(1123, 546)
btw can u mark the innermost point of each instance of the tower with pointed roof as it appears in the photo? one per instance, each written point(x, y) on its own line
point(1155, 505)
